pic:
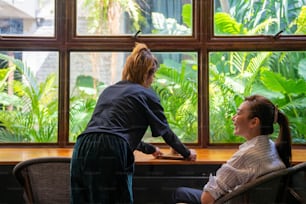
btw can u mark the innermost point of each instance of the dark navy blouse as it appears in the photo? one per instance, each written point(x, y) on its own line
point(126, 110)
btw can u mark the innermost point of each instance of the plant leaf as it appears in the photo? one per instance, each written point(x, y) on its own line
point(277, 83)
point(302, 68)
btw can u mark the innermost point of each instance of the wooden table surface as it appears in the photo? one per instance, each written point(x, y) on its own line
point(11, 156)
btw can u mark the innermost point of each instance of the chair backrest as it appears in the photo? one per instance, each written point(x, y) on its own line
point(297, 184)
point(265, 189)
point(45, 180)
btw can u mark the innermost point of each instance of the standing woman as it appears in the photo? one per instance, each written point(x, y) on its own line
point(257, 156)
point(102, 164)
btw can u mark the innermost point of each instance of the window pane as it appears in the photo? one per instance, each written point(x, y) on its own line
point(259, 17)
point(175, 83)
point(27, 17)
point(29, 97)
point(280, 76)
point(156, 17)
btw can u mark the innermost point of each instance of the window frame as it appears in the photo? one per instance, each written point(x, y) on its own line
point(202, 41)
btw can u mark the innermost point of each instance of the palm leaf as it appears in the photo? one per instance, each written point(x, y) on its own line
point(225, 24)
point(24, 70)
point(262, 26)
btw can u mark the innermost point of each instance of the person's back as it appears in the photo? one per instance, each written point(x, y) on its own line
point(125, 109)
point(258, 155)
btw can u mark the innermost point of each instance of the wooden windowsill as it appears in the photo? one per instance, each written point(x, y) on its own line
point(12, 156)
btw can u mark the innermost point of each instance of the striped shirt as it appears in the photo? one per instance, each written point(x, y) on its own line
point(254, 158)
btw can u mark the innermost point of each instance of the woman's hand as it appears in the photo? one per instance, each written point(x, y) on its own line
point(193, 155)
point(157, 152)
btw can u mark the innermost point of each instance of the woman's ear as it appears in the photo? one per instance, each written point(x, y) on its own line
point(255, 121)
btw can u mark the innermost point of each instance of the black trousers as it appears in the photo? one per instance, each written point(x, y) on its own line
point(102, 167)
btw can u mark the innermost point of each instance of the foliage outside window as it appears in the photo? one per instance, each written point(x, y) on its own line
point(175, 83)
point(125, 17)
point(280, 76)
point(80, 47)
point(235, 17)
point(29, 97)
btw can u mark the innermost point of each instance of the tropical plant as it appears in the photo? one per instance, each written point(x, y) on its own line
point(104, 15)
point(82, 103)
point(256, 15)
point(176, 86)
point(176, 83)
point(103, 18)
point(279, 76)
point(170, 26)
point(29, 110)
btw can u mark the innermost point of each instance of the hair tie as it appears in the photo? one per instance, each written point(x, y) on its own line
point(275, 114)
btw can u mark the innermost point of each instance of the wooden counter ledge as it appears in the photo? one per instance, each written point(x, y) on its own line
point(11, 156)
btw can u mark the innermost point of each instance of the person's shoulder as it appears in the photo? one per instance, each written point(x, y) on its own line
point(257, 148)
point(146, 94)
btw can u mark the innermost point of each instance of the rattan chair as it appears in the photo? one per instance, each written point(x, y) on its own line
point(266, 189)
point(44, 180)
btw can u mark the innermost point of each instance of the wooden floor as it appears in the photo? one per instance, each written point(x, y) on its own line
point(11, 156)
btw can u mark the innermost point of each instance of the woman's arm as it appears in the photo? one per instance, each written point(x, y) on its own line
point(148, 148)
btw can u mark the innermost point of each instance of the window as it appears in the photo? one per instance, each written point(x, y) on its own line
point(175, 81)
point(126, 17)
point(259, 17)
point(29, 96)
point(278, 75)
point(56, 61)
point(27, 18)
